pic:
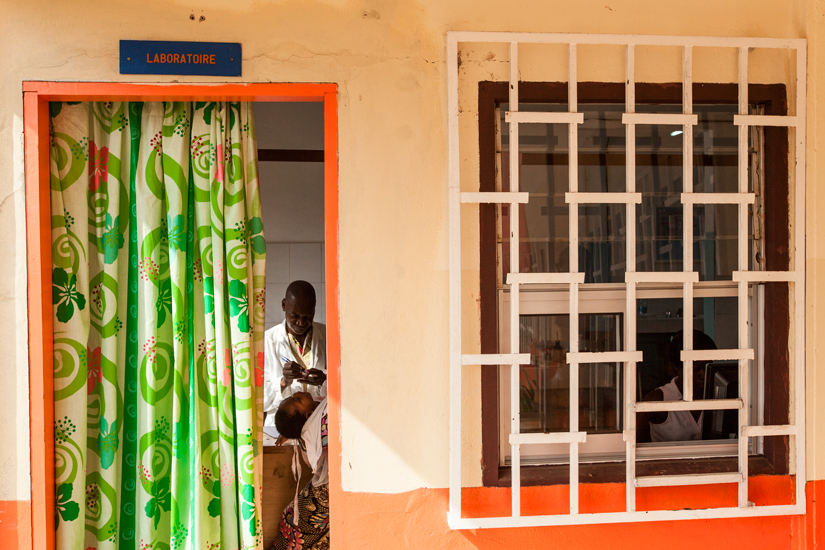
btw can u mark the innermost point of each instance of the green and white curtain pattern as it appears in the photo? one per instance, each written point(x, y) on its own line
point(158, 290)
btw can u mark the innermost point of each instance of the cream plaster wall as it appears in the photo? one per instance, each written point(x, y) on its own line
point(388, 57)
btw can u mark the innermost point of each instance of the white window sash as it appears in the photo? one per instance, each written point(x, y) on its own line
point(608, 447)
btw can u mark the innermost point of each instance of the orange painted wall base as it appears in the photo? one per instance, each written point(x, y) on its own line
point(15, 525)
point(418, 519)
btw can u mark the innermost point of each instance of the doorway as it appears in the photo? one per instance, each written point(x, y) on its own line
point(37, 96)
point(290, 138)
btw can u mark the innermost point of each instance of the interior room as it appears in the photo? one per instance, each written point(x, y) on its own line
point(291, 174)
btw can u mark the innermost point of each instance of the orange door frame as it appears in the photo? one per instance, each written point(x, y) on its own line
point(36, 98)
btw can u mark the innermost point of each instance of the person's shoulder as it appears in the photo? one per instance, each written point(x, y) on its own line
point(277, 329)
point(278, 332)
point(320, 327)
point(321, 409)
point(655, 395)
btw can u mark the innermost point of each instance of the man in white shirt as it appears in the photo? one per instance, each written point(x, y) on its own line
point(295, 351)
point(676, 425)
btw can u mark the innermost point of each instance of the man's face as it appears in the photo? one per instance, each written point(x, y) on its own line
point(299, 314)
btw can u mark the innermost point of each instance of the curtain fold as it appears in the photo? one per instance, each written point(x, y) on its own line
point(158, 291)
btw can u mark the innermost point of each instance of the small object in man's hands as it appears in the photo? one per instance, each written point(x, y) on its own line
point(294, 371)
point(314, 377)
point(303, 369)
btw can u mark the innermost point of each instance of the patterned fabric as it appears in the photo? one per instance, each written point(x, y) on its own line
point(324, 431)
point(313, 531)
point(158, 275)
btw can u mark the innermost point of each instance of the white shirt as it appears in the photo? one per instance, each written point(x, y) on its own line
point(679, 425)
point(314, 448)
point(278, 352)
point(315, 444)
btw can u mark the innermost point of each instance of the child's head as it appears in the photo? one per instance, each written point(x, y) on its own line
point(292, 414)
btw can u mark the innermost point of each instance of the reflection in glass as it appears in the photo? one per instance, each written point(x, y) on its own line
point(545, 382)
point(543, 169)
point(659, 321)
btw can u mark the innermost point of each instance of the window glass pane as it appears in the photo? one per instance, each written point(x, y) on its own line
point(659, 333)
point(543, 222)
point(602, 149)
point(715, 154)
point(602, 240)
point(545, 383)
point(658, 320)
point(543, 169)
point(660, 107)
point(544, 173)
point(659, 179)
point(716, 241)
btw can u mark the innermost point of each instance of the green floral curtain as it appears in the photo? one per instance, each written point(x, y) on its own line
point(158, 290)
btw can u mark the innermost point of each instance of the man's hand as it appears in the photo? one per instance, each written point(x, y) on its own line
point(315, 377)
point(292, 371)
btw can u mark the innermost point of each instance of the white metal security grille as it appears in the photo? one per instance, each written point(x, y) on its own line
point(574, 279)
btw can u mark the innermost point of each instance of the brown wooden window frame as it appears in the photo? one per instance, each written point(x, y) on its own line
point(773, 98)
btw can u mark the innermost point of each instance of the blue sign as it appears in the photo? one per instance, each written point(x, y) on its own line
point(180, 58)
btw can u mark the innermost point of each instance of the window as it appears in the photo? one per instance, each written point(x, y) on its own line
point(544, 247)
point(586, 275)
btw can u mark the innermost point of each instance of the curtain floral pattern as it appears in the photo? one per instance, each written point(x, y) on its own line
point(158, 291)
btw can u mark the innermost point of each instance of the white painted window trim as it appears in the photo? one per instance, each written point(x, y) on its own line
point(795, 276)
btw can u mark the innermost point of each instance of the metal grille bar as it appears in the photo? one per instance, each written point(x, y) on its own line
point(701, 405)
point(573, 173)
point(717, 355)
point(718, 198)
point(661, 277)
point(764, 276)
point(604, 357)
point(764, 120)
point(533, 439)
point(524, 117)
point(687, 278)
point(757, 431)
point(671, 119)
point(630, 281)
point(515, 412)
point(695, 479)
point(544, 278)
point(742, 324)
